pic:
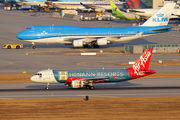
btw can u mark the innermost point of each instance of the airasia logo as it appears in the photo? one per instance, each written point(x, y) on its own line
point(140, 64)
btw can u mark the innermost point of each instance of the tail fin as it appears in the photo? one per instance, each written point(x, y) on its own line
point(136, 4)
point(161, 18)
point(140, 67)
point(116, 11)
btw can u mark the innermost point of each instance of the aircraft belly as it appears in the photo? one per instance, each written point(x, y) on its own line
point(47, 40)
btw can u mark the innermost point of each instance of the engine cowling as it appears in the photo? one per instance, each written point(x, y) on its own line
point(102, 42)
point(77, 43)
point(77, 84)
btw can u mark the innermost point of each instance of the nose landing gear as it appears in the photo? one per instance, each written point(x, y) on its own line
point(47, 86)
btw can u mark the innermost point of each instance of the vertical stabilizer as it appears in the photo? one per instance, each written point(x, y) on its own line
point(136, 4)
point(133, 4)
point(140, 67)
point(115, 11)
point(161, 18)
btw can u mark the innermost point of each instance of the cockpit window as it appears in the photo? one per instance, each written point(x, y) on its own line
point(29, 28)
point(38, 74)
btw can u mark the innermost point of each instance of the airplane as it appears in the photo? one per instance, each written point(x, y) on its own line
point(97, 6)
point(78, 78)
point(93, 8)
point(119, 14)
point(94, 36)
point(137, 7)
point(26, 2)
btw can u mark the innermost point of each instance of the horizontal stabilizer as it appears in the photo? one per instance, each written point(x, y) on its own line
point(136, 11)
point(161, 29)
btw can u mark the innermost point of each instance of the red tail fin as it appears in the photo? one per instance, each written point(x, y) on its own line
point(133, 4)
point(140, 68)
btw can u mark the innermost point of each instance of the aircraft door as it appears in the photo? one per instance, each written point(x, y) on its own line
point(60, 34)
point(38, 36)
point(51, 28)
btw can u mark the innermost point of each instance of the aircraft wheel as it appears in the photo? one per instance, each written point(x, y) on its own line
point(85, 46)
point(96, 46)
point(90, 45)
point(33, 47)
point(87, 86)
point(92, 87)
point(47, 86)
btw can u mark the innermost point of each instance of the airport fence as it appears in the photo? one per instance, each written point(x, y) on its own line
point(174, 48)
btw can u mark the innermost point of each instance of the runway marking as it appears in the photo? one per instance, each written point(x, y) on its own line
point(11, 63)
point(116, 50)
point(175, 60)
point(107, 61)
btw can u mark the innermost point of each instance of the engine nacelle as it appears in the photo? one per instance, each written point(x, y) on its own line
point(77, 84)
point(77, 43)
point(102, 42)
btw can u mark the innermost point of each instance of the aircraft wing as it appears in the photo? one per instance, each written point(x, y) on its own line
point(88, 6)
point(93, 79)
point(132, 10)
point(94, 38)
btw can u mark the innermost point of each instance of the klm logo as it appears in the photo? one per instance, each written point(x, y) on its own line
point(160, 18)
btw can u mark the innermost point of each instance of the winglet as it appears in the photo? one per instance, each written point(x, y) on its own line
point(161, 18)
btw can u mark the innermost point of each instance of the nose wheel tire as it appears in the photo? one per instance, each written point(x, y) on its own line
point(33, 47)
point(47, 87)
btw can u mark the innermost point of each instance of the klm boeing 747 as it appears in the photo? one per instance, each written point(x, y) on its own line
point(94, 36)
point(87, 77)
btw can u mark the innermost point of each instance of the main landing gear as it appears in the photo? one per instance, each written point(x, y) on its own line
point(47, 86)
point(89, 87)
point(91, 45)
point(33, 46)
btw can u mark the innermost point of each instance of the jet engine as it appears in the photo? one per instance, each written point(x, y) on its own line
point(102, 42)
point(77, 43)
point(77, 84)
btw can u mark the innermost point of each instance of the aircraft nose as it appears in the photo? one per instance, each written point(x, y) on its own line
point(23, 35)
point(19, 35)
point(33, 78)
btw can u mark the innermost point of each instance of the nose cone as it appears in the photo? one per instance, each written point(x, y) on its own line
point(20, 35)
point(33, 78)
point(24, 35)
